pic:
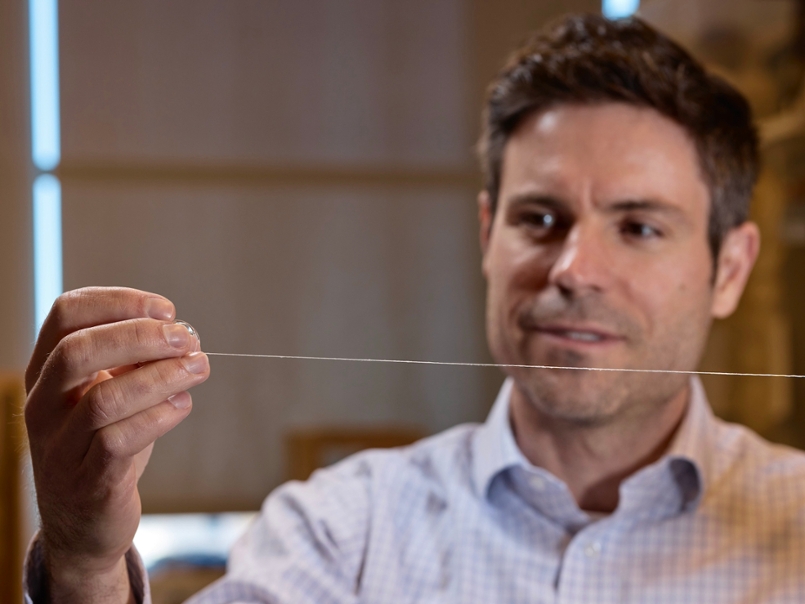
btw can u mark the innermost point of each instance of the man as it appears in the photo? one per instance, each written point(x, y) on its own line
point(614, 229)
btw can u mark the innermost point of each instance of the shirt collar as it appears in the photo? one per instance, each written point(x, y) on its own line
point(493, 448)
point(689, 457)
point(694, 445)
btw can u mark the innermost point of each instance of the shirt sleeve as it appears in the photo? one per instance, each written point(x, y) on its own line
point(307, 546)
point(35, 580)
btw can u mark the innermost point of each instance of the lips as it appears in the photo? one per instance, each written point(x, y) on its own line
point(581, 334)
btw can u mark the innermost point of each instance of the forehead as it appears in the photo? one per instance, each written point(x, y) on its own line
point(611, 151)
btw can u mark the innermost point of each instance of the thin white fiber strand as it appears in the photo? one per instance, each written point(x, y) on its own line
point(461, 364)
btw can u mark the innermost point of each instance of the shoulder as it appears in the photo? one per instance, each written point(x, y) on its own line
point(436, 460)
point(339, 503)
point(741, 450)
point(757, 475)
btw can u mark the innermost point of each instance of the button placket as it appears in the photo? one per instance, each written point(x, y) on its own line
point(584, 570)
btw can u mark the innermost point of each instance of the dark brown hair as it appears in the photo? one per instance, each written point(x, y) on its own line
point(587, 59)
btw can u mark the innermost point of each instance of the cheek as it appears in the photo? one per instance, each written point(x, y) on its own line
point(672, 296)
point(515, 266)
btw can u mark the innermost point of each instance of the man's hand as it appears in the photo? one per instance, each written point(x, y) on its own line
point(108, 376)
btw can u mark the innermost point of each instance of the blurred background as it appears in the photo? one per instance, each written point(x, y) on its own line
point(298, 177)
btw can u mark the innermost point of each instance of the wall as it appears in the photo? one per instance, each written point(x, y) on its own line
point(298, 178)
point(16, 314)
point(16, 304)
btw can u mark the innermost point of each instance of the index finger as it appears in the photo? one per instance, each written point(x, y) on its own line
point(88, 307)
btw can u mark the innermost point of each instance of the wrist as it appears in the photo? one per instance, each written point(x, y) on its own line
point(90, 581)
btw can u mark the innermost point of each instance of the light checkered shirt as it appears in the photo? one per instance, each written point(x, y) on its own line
point(463, 517)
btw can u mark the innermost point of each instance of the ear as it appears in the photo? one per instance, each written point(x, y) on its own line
point(736, 258)
point(485, 218)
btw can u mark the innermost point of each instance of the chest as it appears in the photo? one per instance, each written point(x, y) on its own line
point(465, 553)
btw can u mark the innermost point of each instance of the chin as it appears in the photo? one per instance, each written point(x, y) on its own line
point(590, 398)
point(573, 396)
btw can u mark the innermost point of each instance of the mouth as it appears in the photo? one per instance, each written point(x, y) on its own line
point(578, 334)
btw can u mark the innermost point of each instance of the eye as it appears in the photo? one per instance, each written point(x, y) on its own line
point(542, 220)
point(640, 230)
point(538, 222)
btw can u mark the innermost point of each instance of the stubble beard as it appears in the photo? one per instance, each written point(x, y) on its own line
point(586, 397)
point(591, 399)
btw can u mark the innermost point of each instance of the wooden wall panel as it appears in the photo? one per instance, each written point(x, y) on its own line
point(378, 272)
point(297, 176)
point(16, 283)
point(265, 81)
point(12, 447)
point(498, 26)
point(16, 291)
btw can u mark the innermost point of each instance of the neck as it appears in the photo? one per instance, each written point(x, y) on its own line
point(593, 460)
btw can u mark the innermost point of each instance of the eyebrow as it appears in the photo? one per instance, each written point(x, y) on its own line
point(627, 205)
point(645, 205)
point(550, 201)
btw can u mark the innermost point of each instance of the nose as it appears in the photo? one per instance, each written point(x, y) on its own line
point(583, 263)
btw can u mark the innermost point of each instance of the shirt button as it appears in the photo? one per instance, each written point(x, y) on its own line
point(538, 482)
point(592, 549)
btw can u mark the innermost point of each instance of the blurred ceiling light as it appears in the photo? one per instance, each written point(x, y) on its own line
point(47, 245)
point(44, 32)
point(43, 18)
point(619, 9)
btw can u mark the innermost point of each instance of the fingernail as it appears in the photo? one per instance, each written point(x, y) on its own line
point(181, 400)
point(196, 362)
point(176, 335)
point(159, 308)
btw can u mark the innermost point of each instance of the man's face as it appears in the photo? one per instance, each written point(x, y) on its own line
point(598, 256)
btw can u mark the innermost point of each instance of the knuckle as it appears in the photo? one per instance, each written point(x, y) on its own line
point(70, 354)
point(144, 332)
point(169, 373)
point(72, 303)
point(110, 443)
point(96, 408)
point(111, 401)
point(139, 302)
point(64, 305)
point(102, 402)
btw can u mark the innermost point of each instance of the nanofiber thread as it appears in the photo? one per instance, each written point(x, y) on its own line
point(194, 332)
point(461, 364)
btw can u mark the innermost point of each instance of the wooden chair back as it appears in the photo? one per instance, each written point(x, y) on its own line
point(12, 452)
point(310, 449)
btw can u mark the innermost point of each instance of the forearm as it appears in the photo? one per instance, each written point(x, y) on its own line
point(43, 586)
